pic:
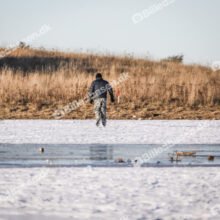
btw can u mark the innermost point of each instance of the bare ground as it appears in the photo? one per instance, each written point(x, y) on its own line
point(141, 110)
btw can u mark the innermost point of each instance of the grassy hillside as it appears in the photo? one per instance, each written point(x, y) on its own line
point(34, 83)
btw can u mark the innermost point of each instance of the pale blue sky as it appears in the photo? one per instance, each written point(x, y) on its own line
point(188, 27)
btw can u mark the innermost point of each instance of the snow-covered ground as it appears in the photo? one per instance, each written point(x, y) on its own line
point(117, 132)
point(109, 193)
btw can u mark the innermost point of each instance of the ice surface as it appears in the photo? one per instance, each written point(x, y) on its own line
point(110, 193)
point(117, 131)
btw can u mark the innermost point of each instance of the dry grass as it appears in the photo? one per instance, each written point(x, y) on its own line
point(51, 79)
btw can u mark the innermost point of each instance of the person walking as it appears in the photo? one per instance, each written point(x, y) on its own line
point(98, 93)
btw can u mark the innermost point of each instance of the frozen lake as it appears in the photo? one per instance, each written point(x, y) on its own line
point(74, 190)
point(81, 143)
point(28, 155)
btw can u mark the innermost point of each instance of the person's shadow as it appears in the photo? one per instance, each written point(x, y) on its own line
point(101, 152)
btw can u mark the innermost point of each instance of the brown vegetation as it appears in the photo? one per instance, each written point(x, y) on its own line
point(34, 83)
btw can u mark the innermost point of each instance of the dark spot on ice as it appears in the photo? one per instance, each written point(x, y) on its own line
point(23, 200)
point(2, 152)
point(155, 182)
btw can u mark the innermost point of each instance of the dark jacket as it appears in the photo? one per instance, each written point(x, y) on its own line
point(99, 89)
